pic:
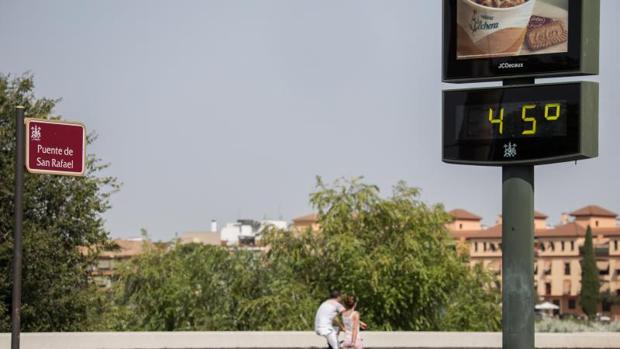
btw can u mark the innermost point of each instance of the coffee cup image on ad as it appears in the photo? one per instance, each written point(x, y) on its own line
point(503, 28)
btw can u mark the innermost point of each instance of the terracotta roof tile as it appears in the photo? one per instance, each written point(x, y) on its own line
point(126, 248)
point(606, 231)
point(312, 217)
point(593, 211)
point(537, 215)
point(566, 230)
point(569, 230)
point(540, 215)
point(494, 232)
point(464, 215)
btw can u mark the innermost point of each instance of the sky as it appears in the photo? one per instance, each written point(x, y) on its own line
point(227, 109)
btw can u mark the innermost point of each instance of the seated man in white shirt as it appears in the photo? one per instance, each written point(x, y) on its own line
point(326, 315)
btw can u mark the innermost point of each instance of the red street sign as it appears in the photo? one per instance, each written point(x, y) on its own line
point(55, 147)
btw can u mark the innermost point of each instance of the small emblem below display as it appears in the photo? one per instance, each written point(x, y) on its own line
point(510, 150)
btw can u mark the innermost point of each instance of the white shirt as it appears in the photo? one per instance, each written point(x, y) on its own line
point(326, 314)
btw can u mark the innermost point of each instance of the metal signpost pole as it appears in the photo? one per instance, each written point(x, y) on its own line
point(20, 148)
point(518, 257)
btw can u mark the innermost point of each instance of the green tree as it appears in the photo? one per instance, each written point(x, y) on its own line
point(394, 253)
point(190, 287)
point(60, 215)
point(590, 286)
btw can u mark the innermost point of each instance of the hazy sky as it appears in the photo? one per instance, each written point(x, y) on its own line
point(229, 109)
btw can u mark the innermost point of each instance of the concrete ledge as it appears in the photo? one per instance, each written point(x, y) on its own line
point(280, 340)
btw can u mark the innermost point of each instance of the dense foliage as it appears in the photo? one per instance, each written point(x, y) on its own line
point(393, 253)
point(60, 214)
point(590, 286)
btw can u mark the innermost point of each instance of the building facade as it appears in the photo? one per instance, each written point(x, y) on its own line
point(303, 223)
point(247, 232)
point(108, 260)
point(557, 268)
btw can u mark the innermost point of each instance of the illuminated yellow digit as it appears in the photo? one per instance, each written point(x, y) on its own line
point(526, 118)
point(555, 106)
point(499, 121)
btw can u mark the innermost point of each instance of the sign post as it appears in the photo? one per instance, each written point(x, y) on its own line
point(17, 237)
point(44, 147)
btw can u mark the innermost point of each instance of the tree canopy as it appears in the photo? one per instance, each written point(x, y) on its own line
point(394, 253)
point(60, 214)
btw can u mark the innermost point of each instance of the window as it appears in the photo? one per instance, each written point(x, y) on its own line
point(548, 288)
point(606, 306)
point(542, 247)
point(492, 247)
point(548, 269)
point(500, 246)
point(566, 268)
point(572, 245)
point(535, 268)
point(476, 247)
point(552, 246)
point(562, 245)
point(616, 245)
point(572, 304)
point(596, 223)
point(603, 268)
point(460, 225)
point(484, 247)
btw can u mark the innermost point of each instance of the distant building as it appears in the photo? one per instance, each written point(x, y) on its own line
point(247, 232)
point(201, 237)
point(309, 221)
point(557, 269)
point(109, 260)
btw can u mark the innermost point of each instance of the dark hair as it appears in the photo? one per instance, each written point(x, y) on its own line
point(334, 293)
point(350, 301)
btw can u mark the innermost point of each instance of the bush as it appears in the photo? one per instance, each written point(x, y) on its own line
point(568, 326)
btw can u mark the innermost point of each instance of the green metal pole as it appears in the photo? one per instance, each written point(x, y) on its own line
point(518, 257)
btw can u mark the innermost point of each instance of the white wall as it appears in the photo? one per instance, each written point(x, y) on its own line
point(293, 340)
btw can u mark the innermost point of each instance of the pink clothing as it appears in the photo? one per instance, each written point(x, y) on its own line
point(347, 321)
point(357, 345)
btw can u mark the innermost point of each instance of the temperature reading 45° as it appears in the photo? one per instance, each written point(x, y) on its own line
point(522, 119)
